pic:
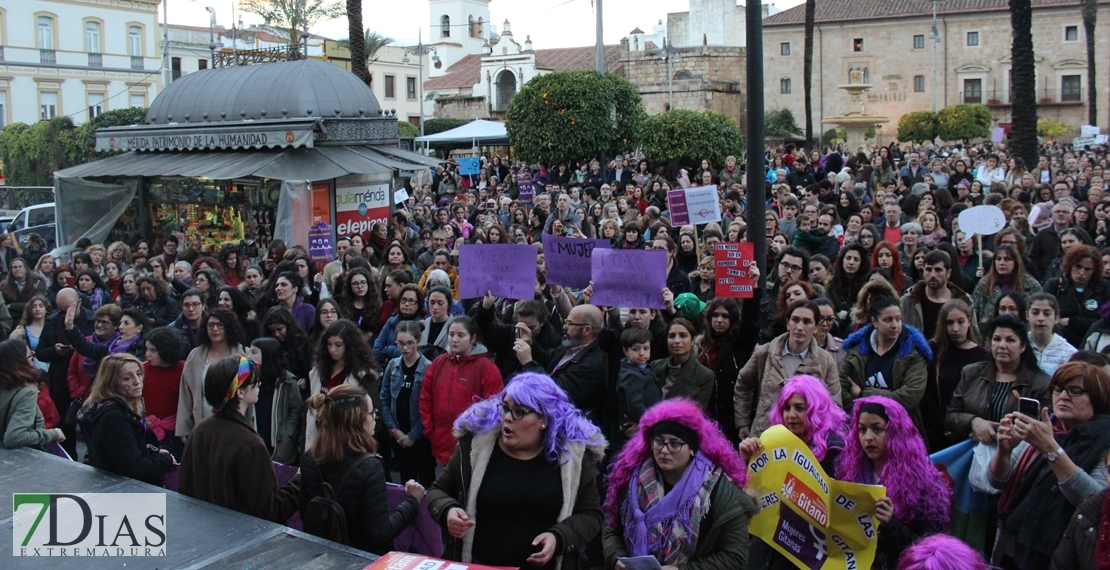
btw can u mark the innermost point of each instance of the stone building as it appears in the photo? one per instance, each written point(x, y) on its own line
point(701, 78)
point(890, 45)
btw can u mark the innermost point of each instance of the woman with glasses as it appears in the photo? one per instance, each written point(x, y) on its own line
point(675, 493)
point(1047, 465)
point(344, 457)
point(226, 463)
point(361, 301)
point(886, 449)
point(410, 307)
point(520, 488)
point(21, 420)
point(220, 337)
point(400, 395)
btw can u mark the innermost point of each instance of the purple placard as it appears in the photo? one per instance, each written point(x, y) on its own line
point(506, 270)
point(676, 205)
point(629, 277)
point(423, 536)
point(568, 259)
point(805, 542)
point(321, 248)
point(525, 189)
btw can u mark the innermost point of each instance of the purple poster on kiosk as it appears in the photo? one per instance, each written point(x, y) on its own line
point(321, 248)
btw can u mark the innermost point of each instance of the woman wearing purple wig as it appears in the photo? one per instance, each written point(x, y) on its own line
point(674, 493)
point(887, 450)
point(524, 468)
point(806, 409)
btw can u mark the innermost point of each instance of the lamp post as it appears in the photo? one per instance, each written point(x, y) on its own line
point(934, 35)
point(420, 50)
point(670, 53)
point(212, 45)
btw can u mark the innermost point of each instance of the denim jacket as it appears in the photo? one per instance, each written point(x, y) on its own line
point(392, 380)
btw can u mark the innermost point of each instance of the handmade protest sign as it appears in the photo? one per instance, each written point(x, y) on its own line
point(628, 277)
point(321, 248)
point(694, 206)
point(505, 270)
point(813, 520)
point(468, 166)
point(524, 188)
point(568, 259)
point(731, 262)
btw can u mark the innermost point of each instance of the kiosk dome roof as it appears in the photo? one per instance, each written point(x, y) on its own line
point(303, 88)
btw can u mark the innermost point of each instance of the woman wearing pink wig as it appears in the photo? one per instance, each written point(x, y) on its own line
point(888, 451)
point(674, 493)
point(806, 409)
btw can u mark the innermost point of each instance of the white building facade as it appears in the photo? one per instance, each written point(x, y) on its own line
point(77, 58)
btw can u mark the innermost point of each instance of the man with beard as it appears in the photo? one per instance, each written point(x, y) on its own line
point(818, 239)
point(921, 304)
point(578, 366)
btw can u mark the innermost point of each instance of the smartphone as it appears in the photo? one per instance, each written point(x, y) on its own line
point(1030, 407)
point(516, 331)
point(568, 230)
point(520, 240)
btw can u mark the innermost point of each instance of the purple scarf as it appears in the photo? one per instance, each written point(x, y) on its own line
point(666, 525)
point(92, 365)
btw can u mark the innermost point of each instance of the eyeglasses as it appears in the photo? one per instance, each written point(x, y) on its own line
point(103, 323)
point(375, 413)
point(405, 343)
point(789, 266)
point(407, 301)
point(673, 446)
point(192, 305)
point(826, 320)
point(215, 326)
point(1073, 391)
point(517, 413)
point(329, 312)
point(570, 323)
point(358, 284)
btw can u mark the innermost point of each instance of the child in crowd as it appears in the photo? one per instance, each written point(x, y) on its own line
point(637, 387)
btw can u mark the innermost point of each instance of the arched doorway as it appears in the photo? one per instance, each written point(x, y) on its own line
point(506, 89)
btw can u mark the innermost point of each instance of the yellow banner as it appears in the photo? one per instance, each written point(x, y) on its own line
point(812, 519)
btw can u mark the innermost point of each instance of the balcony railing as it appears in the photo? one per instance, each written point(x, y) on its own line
point(96, 60)
point(48, 56)
point(229, 58)
point(136, 62)
point(1044, 96)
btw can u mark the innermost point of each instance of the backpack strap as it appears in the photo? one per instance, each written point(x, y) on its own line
point(352, 469)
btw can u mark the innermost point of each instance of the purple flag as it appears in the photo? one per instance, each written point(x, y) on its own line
point(506, 270)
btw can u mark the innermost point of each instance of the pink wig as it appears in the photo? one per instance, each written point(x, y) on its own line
point(714, 445)
point(941, 552)
point(912, 482)
point(823, 416)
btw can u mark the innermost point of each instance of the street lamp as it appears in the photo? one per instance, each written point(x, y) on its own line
point(934, 35)
point(420, 50)
point(212, 45)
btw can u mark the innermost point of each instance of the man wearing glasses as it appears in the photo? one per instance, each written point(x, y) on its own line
point(192, 311)
point(578, 366)
point(793, 265)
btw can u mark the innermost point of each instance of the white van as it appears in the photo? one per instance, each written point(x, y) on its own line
point(37, 219)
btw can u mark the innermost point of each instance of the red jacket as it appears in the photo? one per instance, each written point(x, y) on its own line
point(451, 384)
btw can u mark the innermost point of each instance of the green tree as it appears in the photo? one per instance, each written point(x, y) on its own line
point(781, 124)
point(833, 136)
point(1052, 129)
point(569, 115)
point(31, 153)
point(85, 137)
point(1023, 83)
point(964, 122)
point(295, 16)
point(919, 126)
point(690, 136)
point(407, 129)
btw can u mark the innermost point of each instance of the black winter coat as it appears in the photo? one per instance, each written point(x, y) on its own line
point(1081, 309)
point(370, 525)
point(582, 378)
point(120, 442)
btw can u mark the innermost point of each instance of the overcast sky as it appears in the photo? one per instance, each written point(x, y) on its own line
point(551, 23)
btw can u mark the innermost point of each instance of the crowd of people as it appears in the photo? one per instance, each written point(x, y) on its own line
point(550, 432)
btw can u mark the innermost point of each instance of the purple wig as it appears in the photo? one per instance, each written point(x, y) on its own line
point(538, 392)
point(713, 445)
point(823, 416)
point(913, 483)
point(941, 552)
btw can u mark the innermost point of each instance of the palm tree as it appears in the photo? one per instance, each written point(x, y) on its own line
point(1090, 16)
point(1023, 136)
point(357, 41)
point(807, 78)
point(372, 42)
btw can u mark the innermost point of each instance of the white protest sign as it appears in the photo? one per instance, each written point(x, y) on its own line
point(400, 195)
point(982, 220)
